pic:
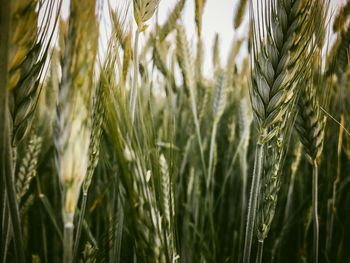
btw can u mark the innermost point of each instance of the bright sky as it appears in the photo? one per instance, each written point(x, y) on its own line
point(217, 18)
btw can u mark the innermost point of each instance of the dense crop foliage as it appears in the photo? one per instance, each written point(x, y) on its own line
point(124, 150)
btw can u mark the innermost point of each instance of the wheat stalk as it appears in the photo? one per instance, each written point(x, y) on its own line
point(245, 119)
point(8, 192)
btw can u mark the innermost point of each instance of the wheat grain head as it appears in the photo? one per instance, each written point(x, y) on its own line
point(72, 131)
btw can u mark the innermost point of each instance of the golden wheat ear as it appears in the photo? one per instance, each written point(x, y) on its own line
point(143, 11)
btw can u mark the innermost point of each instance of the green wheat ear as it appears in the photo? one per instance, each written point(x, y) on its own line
point(198, 15)
point(170, 23)
point(29, 50)
point(143, 11)
point(27, 169)
point(240, 13)
point(279, 59)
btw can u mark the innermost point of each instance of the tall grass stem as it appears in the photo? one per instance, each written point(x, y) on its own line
point(68, 241)
point(253, 200)
point(6, 169)
point(133, 95)
point(79, 225)
point(211, 153)
point(259, 253)
point(314, 209)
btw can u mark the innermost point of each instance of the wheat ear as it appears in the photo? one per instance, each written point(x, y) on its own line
point(185, 59)
point(93, 152)
point(240, 13)
point(170, 23)
point(72, 131)
point(27, 169)
point(199, 4)
point(218, 110)
point(310, 126)
point(281, 33)
point(28, 54)
point(270, 182)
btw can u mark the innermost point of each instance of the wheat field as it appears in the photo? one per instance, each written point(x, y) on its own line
point(127, 150)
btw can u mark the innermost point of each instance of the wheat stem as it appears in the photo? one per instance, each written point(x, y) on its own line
point(133, 95)
point(6, 228)
point(211, 153)
point(253, 199)
point(68, 240)
point(5, 148)
point(80, 223)
point(314, 209)
point(335, 186)
point(196, 122)
point(259, 254)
